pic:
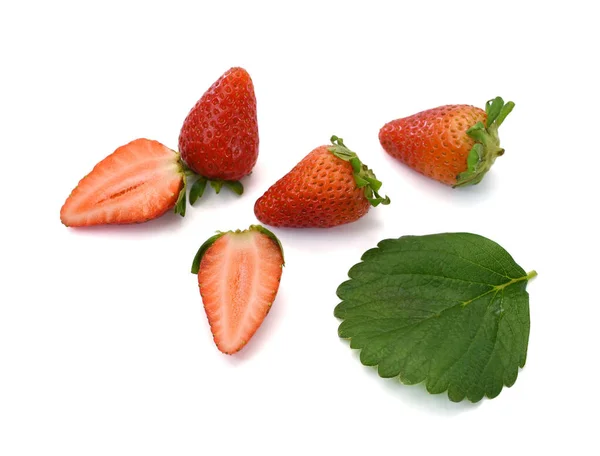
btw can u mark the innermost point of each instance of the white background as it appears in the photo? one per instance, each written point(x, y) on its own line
point(104, 344)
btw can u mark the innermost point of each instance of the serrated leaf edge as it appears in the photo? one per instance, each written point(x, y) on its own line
point(497, 288)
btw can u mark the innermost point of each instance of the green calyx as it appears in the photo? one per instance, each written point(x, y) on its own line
point(211, 240)
point(199, 185)
point(363, 176)
point(202, 250)
point(487, 143)
point(197, 189)
point(181, 202)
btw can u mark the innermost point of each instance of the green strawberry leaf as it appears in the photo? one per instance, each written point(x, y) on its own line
point(450, 310)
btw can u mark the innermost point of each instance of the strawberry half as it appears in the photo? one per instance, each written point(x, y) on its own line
point(238, 275)
point(454, 144)
point(329, 187)
point(219, 137)
point(137, 182)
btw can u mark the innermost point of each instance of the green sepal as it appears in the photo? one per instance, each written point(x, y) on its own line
point(374, 183)
point(211, 240)
point(199, 186)
point(477, 132)
point(356, 164)
point(180, 204)
point(217, 185)
point(473, 160)
point(378, 200)
point(363, 176)
point(197, 190)
point(505, 111)
point(360, 182)
point(202, 250)
point(474, 156)
point(487, 143)
point(235, 186)
point(492, 109)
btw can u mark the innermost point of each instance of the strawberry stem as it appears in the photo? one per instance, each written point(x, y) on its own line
point(363, 176)
point(531, 274)
point(487, 143)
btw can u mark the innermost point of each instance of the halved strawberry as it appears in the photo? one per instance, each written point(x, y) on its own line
point(238, 275)
point(136, 183)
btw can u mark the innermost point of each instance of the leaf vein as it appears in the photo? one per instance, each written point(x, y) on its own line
point(493, 350)
point(460, 358)
point(491, 254)
point(452, 253)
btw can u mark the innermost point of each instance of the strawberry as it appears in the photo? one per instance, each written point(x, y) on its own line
point(329, 187)
point(219, 137)
point(238, 275)
point(454, 144)
point(137, 182)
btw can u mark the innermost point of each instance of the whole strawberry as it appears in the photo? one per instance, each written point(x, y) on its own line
point(219, 137)
point(454, 144)
point(329, 187)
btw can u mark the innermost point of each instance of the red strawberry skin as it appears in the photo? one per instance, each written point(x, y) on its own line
point(320, 192)
point(239, 275)
point(136, 183)
point(433, 142)
point(219, 137)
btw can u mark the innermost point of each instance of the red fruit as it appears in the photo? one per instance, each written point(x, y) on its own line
point(137, 182)
point(238, 275)
point(329, 187)
point(219, 137)
point(454, 144)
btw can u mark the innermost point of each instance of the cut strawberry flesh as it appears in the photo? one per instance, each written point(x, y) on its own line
point(137, 182)
point(239, 277)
